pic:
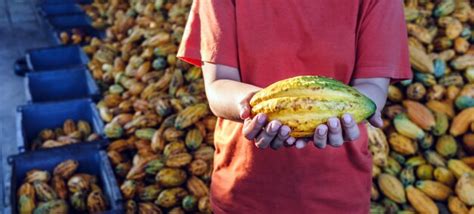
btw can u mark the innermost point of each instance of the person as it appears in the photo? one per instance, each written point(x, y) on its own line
point(246, 45)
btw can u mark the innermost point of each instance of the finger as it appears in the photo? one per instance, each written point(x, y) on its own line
point(252, 127)
point(320, 136)
point(376, 120)
point(244, 110)
point(267, 135)
point(290, 141)
point(335, 132)
point(350, 128)
point(301, 143)
point(281, 137)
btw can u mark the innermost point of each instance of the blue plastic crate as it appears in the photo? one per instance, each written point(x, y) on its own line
point(91, 160)
point(59, 85)
point(65, 22)
point(51, 58)
point(59, 9)
point(33, 118)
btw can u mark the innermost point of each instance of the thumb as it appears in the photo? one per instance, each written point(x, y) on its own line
point(244, 111)
point(244, 106)
point(376, 120)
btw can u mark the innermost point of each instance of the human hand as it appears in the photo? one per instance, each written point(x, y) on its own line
point(337, 131)
point(272, 134)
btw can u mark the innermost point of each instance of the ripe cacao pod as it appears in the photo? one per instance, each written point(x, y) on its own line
point(190, 115)
point(44, 192)
point(198, 167)
point(78, 183)
point(304, 102)
point(54, 206)
point(178, 160)
point(446, 146)
point(425, 172)
point(458, 167)
point(392, 188)
point(96, 202)
point(170, 177)
point(407, 128)
point(420, 201)
point(465, 188)
point(434, 190)
point(378, 145)
point(128, 189)
point(444, 176)
point(204, 205)
point(456, 206)
point(66, 168)
point(59, 186)
point(26, 205)
point(193, 139)
point(419, 114)
point(37, 175)
point(462, 121)
point(197, 187)
point(148, 208)
point(402, 144)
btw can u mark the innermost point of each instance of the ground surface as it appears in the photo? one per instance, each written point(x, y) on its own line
point(20, 29)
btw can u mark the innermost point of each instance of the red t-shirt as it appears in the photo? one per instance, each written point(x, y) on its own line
point(271, 40)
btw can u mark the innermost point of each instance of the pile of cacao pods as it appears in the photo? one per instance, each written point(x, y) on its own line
point(156, 113)
point(70, 133)
point(67, 190)
point(424, 156)
point(155, 109)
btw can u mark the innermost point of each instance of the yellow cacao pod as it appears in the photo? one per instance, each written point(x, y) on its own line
point(446, 146)
point(407, 128)
point(304, 102)
point(394, 94)
point(434, 190)
point(465, 188)
point(424, 172)
point(26, 205)
point(444, 176)
point(420, 60)
point(197, 187)
point(420, 201)
point(178, 160)
point(458, 167)
point(402, 144)
point(456, 206)
point(419, 114)
point(441, 107)
point(26, 189)
point(462, 121)
point(378, 145)
point(392, 188)
point(190, 115)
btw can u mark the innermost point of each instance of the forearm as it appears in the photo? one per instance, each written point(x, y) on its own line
point(225, 91)
point(374, 88)
point(225, 95)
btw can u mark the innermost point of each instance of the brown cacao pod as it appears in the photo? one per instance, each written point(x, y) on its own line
point(66, 168)
point(96, 202)
point(37, 175)
point(44, 192)
point(198, 167)
point(197, 187)
point(59, 186)
point(178, 160)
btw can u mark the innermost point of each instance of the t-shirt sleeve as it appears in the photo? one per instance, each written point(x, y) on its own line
point(382, 43)
point(210, 34)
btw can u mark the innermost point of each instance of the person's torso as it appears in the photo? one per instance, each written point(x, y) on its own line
point(279, 39)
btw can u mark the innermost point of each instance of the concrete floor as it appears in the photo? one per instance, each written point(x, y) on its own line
point(20, 29)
